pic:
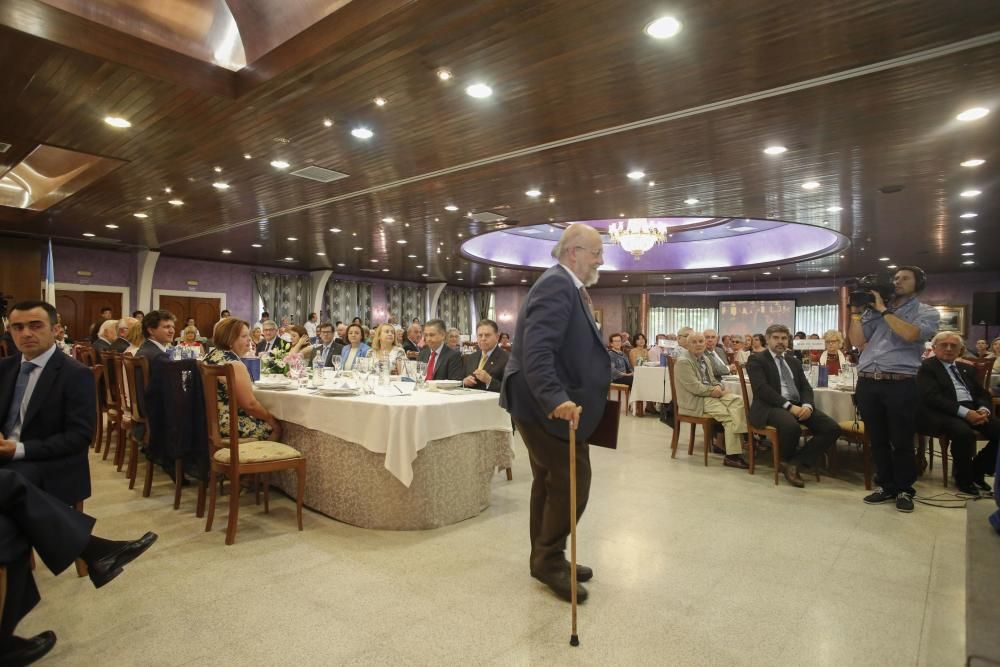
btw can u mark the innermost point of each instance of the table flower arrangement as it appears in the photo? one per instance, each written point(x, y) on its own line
point(275, 363)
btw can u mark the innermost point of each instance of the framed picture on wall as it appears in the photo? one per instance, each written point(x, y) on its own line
point(599, 318)
point(952, 318)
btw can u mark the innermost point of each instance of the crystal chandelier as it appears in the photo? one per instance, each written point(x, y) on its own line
point(638, 235)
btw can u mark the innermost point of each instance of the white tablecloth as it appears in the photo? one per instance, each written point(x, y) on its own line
point(399, 426)
point(650, 384)
point(835, 403)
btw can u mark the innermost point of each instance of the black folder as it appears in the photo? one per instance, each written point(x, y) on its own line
point(606, 433)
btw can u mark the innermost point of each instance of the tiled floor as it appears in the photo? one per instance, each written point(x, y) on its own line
point(694, 566)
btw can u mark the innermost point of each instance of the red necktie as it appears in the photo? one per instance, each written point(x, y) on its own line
point(430, 366)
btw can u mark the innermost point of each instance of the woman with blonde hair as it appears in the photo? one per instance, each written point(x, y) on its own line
point(189, 338)
point(135, 337)
point(833, 356)
point(384, 348)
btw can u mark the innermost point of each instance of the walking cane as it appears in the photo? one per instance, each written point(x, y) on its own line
point(574, 640)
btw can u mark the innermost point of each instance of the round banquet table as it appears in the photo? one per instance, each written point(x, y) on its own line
point(650, 384)
point(411, 462)
point(837, 404)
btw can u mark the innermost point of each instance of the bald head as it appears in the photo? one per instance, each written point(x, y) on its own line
point(580, 250)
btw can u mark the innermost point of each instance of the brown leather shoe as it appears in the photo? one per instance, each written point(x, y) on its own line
point(792, 475)
point(558, 581)
point(735, 461)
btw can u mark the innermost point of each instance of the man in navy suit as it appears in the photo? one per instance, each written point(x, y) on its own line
point(48, 407)
point(485, 370)
point(954, 404)
point(559, 364)
point(443, 363)
point(158, 326)
point(328, 349)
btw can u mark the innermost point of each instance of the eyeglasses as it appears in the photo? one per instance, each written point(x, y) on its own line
point(594, 253)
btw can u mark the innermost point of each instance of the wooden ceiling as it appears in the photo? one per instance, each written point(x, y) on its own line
point(864, 94)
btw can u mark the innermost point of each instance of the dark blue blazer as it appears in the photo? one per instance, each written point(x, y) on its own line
point(558, 356)
point(58, 425)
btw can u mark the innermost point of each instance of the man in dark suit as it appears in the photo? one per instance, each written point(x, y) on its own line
point(783, 398)
point(485, 370)
point(270, 340)
point(33, 519)
point(328, 348)
point(47, 407)
point(559, 365)
point(121, 343)
point(412, 340)
point(158, 327)
point(443, 363)
point(954, 404)
point(105, 336)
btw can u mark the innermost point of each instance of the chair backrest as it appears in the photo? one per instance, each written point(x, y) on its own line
point(743, 390)
point(124, 393)
point(673, 389)
point(85, 355)
point(132, 366)
point(110, 361)
point(983, 369)
point(211, 375)
point(98, 372)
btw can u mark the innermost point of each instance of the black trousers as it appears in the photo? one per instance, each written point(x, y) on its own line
point(889, 409)
point(824, 430)
point(968, 466)
point(29, 517)
point(549, 522)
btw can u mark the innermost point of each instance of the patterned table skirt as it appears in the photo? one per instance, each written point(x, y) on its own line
point(451, 479)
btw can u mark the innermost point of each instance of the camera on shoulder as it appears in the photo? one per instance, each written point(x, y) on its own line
point(861, 296)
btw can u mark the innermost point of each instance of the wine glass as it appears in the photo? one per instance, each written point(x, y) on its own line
point(363, 366)
point(338, 362)
point(421, 374)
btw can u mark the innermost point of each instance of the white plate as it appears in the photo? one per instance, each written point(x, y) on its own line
point(444, 384)
point(336, 391)
point(284, 386)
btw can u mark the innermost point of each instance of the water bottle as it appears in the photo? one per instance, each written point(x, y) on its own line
point(824, 376)
point(317, 370)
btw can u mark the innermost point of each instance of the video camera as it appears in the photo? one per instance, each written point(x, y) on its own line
point(860, 295)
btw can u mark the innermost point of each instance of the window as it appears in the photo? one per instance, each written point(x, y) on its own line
point(669, 320)
point(816, 319)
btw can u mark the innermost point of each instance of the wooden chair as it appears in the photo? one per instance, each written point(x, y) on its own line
point(4, 352)
point(95, 443)
point(233, 458)
point(707, 423)
point(621, 389)
point(854, 432)
point(84, 354)
point(125, 403)
point(769, 433)
point(112, 407)
point(983, 369)
point(131, 366)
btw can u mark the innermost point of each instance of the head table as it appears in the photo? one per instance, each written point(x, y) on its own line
point(410, 462)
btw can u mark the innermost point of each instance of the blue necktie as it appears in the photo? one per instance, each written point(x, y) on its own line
point(789, 379)
point(14, 411)
point(958, 376)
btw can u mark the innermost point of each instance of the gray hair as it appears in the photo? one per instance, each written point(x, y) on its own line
point(437, 324)
point(454, 330)
point(108, 327)
point(941, 335)
point(268, 323)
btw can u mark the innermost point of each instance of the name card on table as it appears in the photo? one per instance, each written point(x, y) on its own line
point(809, 344)
point(667, 344)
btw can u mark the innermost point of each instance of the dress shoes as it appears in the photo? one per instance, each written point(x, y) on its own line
point(735, 461)
point(718, 450)
point(983, 486)
point(970, 490)
point(583, 573)
point(104, 569)
point(20, 651)
point(791, 472)
point(558, 581)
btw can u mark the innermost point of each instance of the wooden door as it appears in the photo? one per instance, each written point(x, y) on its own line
point(178, 307)
point(205, 313)
point(69, 305)
point(95, 302)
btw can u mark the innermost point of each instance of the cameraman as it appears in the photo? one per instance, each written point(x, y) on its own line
point(891, 338)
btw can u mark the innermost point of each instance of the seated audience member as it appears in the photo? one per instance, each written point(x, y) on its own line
point(299, 341)
point(384, 348)
point(621, 369)
point(639, 349)
point(138, 315)
point(134, 337)
point(626, 343)
point(270, 341)
point(232, 340)
point(158, 329)
point(757, 343)
point(189, 338)
point(485, 370)
point(504, 342)
point(189, 322)
point(716, 355)
point(682, 340)
point(62, 340)
point(122, 342)
point(106, 335)
point(833, 357)
point(400, 335)
point(357, 320)
point(341, 330)
point(995, 354)
point(799, 335)
point(255, 337)
point(740, 355)
point(653, 355)
point(982, 348)
point(31, 519)
point(264, 317)
point(47, 407)
point(356, 348)
point(412, 342)
point(699, 394)
point(783, 398)
point(954, 404)
point(443, 363)
point(328, 347)
point(455, 339)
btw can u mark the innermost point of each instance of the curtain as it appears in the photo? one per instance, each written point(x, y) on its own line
point(407, 303)
point(347, 299)
point(283, 295)
point(816, 319)
point(453, 308)
point(485, 300)
point(632, 303)
point(669, 320)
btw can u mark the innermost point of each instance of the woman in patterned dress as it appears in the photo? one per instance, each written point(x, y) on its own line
point(232, 340)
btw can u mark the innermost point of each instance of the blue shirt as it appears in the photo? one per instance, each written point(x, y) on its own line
point(885, 351)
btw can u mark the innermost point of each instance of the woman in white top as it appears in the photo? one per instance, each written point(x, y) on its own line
point(994, 354)
point(384, 348)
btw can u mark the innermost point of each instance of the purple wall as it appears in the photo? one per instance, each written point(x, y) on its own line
point(108, 267)
point(508, 305)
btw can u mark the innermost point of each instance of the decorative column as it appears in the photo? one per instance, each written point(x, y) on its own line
point(146, 261)
point(643, 315)
point(319, 279)
point(843, 311)
point(433, 294)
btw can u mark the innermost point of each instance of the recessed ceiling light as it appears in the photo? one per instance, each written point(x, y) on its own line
point(533, 192)
point(148, 198)
point(419, 266)
point(478, 90)
point(279, 164)
point(651, 183)
point(110, 226)
point(968, 215)
point(444, 74)
point(970, 193)
point(176, 202)
point(974, 162)
point(292, 238)
point(335, 230)
point(226, 251)
point(424, 275)
point(412, 256)
point(247, 156)
point(969, 243)
point(975, 113)
point(321, 254)
point(636, 174)
point(691, 201)
point(88, 235)
point(219, 185)
point(385, 270)
point(968, 254)
point(459, 272)
point(116, 121)
point(256, 245)
point(289, 259)
point(624, 280)
point(667, 278)
point(450, 207)
point(388, 220)
point(767, 273)
point(891, 266)
point(327, 122)
point(775, 150)
point(167, 190)
point(379, 101)
point(969, 261)
point(401, 241)
point(834, 209)
point(459, 236)
point(362, 133)
point(824, 270)
point(357, 247)
point(883, 259)
point(968, 231)
point(810, 185)
point(141, 216)
point(341, 264)
point(664, 27)
point(217, 170)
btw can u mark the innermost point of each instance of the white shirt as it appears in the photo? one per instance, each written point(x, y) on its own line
point(40, 361)
point(576, 281)
point(163, 348)
point(310, 329)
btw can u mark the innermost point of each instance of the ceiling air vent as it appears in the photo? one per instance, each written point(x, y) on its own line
point(4, 147)
point(320, 174)
point(487, 217)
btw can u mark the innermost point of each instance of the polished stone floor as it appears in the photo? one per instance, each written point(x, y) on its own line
point(694, 566)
